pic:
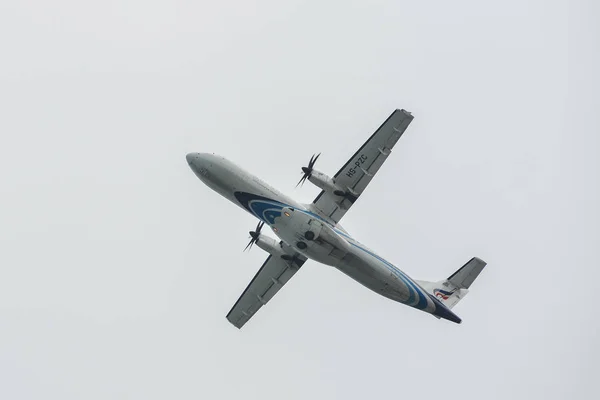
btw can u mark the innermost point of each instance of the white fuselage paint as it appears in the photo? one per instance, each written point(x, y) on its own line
point(331, 244)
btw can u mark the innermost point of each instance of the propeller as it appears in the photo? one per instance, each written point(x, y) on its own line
point(307, 171)
point(254, 235)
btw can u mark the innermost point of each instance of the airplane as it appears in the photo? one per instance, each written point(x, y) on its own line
point(312, 231)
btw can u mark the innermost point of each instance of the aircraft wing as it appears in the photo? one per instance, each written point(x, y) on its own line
point(356, 174)
point(273, 274)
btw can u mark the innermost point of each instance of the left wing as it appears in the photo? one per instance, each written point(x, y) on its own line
point(273, 274)
point(356, 174)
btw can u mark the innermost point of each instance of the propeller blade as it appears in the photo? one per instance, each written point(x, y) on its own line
point(312, 162)
point(302, 180)
point(254, 235)
point(307, 171)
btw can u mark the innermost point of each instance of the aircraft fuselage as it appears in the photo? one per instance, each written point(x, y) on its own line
point(302, 228)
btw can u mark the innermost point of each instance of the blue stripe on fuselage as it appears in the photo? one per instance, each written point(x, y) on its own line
point(260, 206)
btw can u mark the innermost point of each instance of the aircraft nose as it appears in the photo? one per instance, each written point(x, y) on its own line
point(194, 160)
point(200, 163)
point(191, 157)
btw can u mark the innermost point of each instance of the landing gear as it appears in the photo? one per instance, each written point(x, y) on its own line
point(301, 245)
point(309, 235)
point(294, 260)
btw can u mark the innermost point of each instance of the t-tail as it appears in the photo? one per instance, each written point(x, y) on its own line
point(452, 290)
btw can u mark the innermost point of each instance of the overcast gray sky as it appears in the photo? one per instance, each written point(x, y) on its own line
point(117, 265)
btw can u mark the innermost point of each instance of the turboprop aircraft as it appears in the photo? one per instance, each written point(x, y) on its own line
point(312, 231)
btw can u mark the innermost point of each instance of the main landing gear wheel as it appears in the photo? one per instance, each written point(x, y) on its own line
point(309, 235)
point(301, 245)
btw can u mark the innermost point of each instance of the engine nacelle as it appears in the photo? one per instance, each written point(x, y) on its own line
point(328, 184)
point(325, 182)
point(270, 245)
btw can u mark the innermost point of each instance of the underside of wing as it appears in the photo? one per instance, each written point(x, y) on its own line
point(360, 169)
point(271, 277)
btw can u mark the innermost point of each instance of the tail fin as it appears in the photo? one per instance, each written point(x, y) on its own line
point(456, 287)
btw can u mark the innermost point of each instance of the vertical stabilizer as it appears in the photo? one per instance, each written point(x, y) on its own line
point(456, 287)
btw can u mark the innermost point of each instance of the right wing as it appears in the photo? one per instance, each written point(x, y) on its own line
point(356, 174)
point(273, 274)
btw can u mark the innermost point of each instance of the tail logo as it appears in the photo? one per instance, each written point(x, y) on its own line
point(442, 293)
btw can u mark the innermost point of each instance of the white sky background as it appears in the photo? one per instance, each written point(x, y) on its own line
point(117, 265)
